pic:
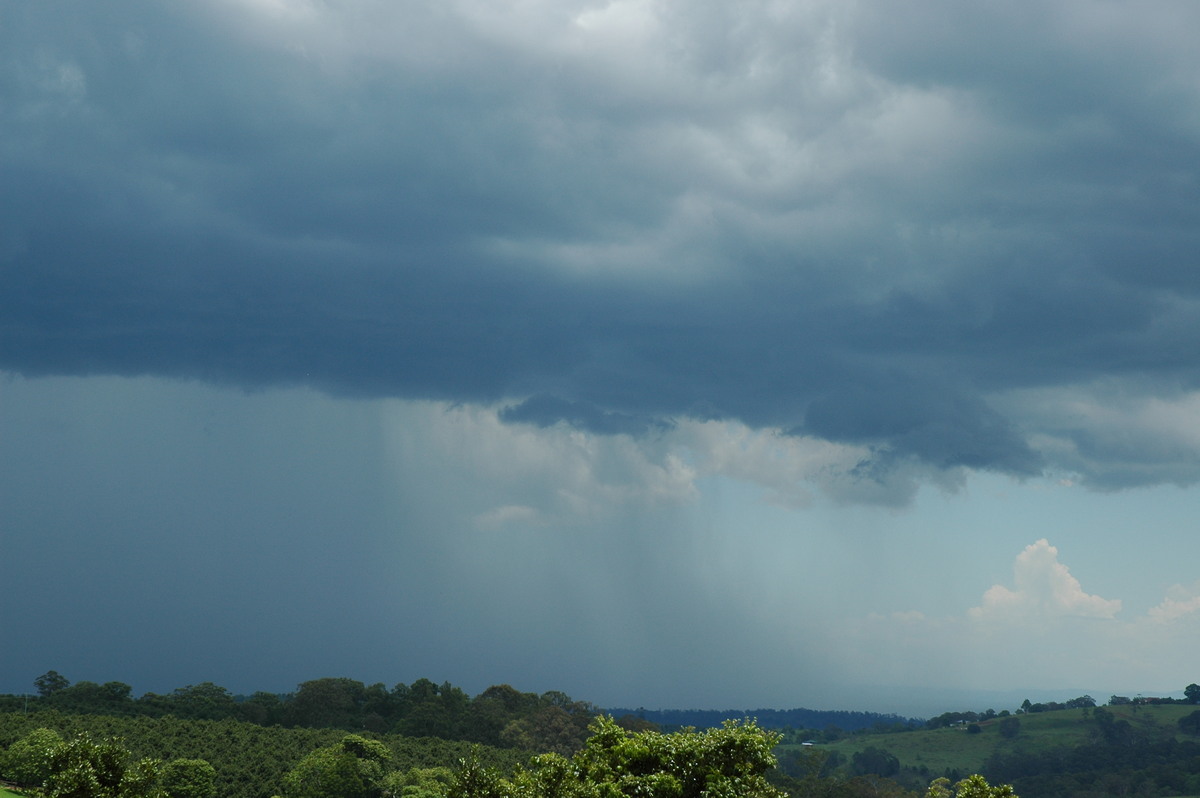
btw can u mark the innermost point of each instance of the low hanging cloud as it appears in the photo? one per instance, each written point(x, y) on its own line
point(1043, 589)
point(883, 234)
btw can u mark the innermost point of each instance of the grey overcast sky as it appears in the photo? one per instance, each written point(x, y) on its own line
point(666, 353)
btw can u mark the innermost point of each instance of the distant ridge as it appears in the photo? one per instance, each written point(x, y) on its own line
point(799, 718)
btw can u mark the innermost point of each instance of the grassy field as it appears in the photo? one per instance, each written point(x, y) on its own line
point(953, 749)
point(9, 794)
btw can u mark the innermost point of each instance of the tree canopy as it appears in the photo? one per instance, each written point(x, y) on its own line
point(730, 761)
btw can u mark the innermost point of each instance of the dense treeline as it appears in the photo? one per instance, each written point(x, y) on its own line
point(500, 716)
point(799, 718)
point(250, 761)
point(957, 718)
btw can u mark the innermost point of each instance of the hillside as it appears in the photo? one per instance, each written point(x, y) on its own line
point(1098, 740)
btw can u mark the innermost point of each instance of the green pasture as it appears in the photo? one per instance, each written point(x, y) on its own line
point(954, 749)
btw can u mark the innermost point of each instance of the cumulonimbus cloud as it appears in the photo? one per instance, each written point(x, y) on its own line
point(1043, 589)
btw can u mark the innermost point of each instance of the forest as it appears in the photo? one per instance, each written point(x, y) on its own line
point(500, 715)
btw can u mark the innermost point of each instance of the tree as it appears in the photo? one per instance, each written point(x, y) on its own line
point(473, 780)
point(973, 786)
point(721, 763)
point(352, 768)
point(87, 768)
point(493, 709)
point(378, 708)
point(1191, 693)
point(329, 702)
point(875, 761)
point(417, 783)
point(88, 697)
point(27, 761)
point(116, 692)
point(189, 778)
point(512, 700)
point(265, 709)
point(1190, 724)
point(204, 701)
point(550, 729)
point(50, 683)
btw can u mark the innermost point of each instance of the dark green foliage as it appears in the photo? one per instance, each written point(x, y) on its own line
point(875, 761)
point(973, 786)
point(500, 716)
point(50, 683)
point(1113, 731)
point(552, 729)
point(1009, 727)
point(27, 761)
point(85, 768)
point(427, 710)
point(204, 701)
point(1190, 724)
point(351, 768)
point(1164, 767)
point(110, 698)
point(250, 761)
point(265, 709)
point(188, 778)
point(476, 780)
point(327, 703)
point(417, 783)
point(1191, 693)
point(721, 763)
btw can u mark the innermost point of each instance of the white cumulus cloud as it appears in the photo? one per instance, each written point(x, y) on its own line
point(1044, 588)
point(1181, 602)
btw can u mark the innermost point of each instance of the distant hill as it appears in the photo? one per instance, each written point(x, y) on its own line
point(799, 718)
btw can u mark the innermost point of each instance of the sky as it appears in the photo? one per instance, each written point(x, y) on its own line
point(669, 354)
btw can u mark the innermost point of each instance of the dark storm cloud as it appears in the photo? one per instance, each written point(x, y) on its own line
point(941, 427)
point(841, 224)
point(543, 411)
